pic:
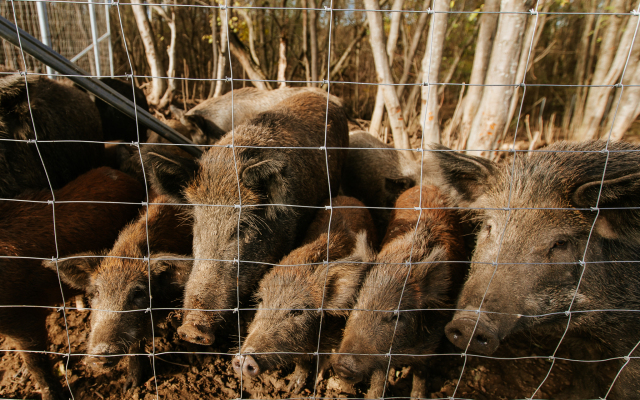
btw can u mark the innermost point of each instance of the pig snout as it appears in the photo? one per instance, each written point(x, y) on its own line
point(246, 365)
point(104, 356)
point(346, 368)
point(197, 334)
point(462, 331)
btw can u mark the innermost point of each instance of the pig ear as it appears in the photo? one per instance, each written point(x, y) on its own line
point(169, 172)
point(467, 175)
point(76, 271)
point(206, 132)
point(344, 279)
point(397, 186)
point(618, 192)
point(265, 177)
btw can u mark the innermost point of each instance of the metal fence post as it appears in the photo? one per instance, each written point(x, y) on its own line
point(109, 46)
point(45, 33)
point(94, 35)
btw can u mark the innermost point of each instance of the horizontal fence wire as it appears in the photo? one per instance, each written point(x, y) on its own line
point(71, 33)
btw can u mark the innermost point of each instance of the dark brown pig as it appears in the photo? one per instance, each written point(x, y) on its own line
point(211, 119)
point(59, 111)
point(545, 258)
point(415, 272)
point(119, 284)
point(27, 230)
point(244, 201)
point(287, 322)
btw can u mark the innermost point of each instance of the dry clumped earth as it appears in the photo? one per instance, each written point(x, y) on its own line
point(211, 376)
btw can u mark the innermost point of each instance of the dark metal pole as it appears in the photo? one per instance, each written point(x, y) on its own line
point(34, 47)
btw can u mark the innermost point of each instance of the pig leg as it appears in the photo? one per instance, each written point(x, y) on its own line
point(138, 368)
point(419, 386)
point(376, 387)
point(29, 332)
point(298, 377)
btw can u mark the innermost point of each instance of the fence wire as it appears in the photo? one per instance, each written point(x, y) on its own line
point(70, 33)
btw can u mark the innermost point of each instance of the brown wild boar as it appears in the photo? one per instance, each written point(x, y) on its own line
point(60, 112)
point(545, 257)
point(118, 283)
point(210, 120)
point(251, 202)
point(27, 230)
point(287, 322)
point(419, 269)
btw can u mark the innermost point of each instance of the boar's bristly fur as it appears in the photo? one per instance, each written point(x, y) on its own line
point(244, 195)
point(60, 112)
point(415, 272)
point(287, 322)
point(27, 230)
point(544, 249)
point(118, 283)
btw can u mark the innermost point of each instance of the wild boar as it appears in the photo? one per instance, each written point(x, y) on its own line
point(211, 119)
point(117, 282)
point(58, 111)
point(399, 308)
point(557, 241)
point(287, 321)
point(252, 199)
point(27, 230)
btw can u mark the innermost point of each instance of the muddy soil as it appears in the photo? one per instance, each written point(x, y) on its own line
point(210, 376)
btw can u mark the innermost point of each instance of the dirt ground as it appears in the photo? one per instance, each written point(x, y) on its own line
point(185, 376)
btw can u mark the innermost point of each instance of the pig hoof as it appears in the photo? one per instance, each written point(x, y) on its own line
point(191, 333)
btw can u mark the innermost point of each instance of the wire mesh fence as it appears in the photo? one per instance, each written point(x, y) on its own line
point(301, 256)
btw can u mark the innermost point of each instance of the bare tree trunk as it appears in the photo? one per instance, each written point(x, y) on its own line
point(282, 62)
point(381, 61)
point(629, 107)
point(305, 49)
point(529, 43)
point(488, 23)
point(252, 37)
point(492, 113)
point(611, 59)
point(222, 57)
point(313, 42)
point(415, 40)
point(171, 51)
point(214, 42)
point(392, 40)
point(253, 71)
point(155, 64)
point(431, 71)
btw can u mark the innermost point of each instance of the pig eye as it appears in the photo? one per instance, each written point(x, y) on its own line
point(487, 228)
point(560, 245)
point(139, 294)
point(392, 316)
point(295, 313)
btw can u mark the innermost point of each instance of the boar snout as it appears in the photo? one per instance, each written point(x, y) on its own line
point(485, 339)
point(246, 365)
point(347, 369)
point(197, 334)
point(102, 362)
